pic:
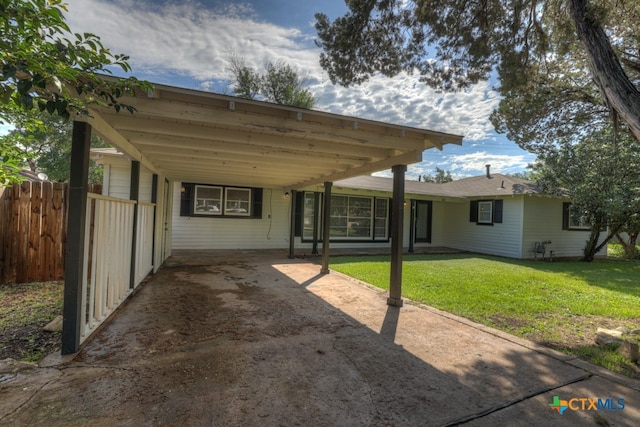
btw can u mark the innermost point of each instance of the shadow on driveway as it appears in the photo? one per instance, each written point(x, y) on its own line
point(252, 338)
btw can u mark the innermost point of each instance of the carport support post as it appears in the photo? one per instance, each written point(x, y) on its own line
point(316, 219)
point(134, 194)
point(326, 223)
point(74, 250)
point(292, 234)
point(397, 219)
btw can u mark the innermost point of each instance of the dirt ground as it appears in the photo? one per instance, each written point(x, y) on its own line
point(253, 338)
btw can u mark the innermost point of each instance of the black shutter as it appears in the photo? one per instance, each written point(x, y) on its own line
point(256, 208)
point(429, 224)
point(186, 199)
point(497, 211)
point(565, 215)
point(297, 231)
point(473, 211)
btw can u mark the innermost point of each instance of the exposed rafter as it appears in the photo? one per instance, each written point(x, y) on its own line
point(210, 138)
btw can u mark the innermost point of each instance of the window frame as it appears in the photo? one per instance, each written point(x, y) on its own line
point(188, 200)
point(485, 203)
point(196, 198)
point(497, 210)
point(567, 219)
point(310, 210)
point(232, 211)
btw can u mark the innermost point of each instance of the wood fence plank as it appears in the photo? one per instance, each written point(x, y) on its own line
point(5, 221)
point(59, 210)
point(46, 239)
point(33, 231)
point(33, 244)
point(24, 210)
point(13, 238)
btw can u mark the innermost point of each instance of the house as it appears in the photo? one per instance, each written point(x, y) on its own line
point(491, 214)
point(198, 170)
point(225, 172)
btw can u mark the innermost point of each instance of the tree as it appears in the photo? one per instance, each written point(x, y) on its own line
point(47, 68)
point(526, 175)
point(471, 39)
point(555, 104)
point(440, 177)
point(280, 84)
point(602, 175)
point(42, 142)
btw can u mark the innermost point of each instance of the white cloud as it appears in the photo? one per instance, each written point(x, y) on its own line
point(474, 163)
point(189, 40)
point(187, 44)
point(186, 38)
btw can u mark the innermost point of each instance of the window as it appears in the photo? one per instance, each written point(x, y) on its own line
point(486, 212)
point(381, 221)
point(573, 219)
point(220, 201)
point(207, 200)
point(237, 201)
point(309, 205)
point(351, 218)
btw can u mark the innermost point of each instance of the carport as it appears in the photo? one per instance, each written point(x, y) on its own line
point(187, 135)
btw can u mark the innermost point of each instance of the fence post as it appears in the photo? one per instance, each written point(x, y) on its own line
point(74, 252)
point(134, 194)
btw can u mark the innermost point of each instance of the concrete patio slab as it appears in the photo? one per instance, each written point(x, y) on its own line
point(251, 338)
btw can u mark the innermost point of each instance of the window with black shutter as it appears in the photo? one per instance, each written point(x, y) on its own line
point(486, 212)
point(219, 201)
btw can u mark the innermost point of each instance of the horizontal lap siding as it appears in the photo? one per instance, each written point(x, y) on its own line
point(499, 239)
point(119, 184)
point(232, 233)
point(543, 221)
point(146, 178)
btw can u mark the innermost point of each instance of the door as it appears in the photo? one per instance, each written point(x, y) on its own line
point(422, 225)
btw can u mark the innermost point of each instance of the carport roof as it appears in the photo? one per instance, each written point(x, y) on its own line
point(196, 136)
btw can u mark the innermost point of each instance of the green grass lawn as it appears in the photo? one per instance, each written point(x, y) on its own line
point(559, 304)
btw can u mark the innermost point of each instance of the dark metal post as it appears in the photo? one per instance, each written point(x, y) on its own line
point(326, 227)
point(292, 234)
point(134, 194)
point(412, 225)
point(316, 221)
point(154, 200)
point(397, 219)
point(74, 250)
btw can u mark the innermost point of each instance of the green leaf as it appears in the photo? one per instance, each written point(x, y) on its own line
point(61, 106)
point(51, 107)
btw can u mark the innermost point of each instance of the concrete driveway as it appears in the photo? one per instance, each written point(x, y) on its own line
point(253, 338)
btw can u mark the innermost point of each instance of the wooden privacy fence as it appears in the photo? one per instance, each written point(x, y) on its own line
point(33, 229)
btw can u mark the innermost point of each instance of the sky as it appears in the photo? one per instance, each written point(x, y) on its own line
point(188, 44)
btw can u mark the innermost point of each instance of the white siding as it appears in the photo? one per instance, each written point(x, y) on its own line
point(543, 221)
point(119, 184)
point(270, 231)
point(117, 180)
point(146, 180)
point(497, 239)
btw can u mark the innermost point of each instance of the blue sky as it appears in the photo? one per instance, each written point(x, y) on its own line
point(188, 44)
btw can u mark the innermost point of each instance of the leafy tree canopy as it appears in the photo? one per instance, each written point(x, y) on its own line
point(280, 84)
point(602, 175)
point(455, 43)
point(42, 143)
point(45, 67)
point(440, 177)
